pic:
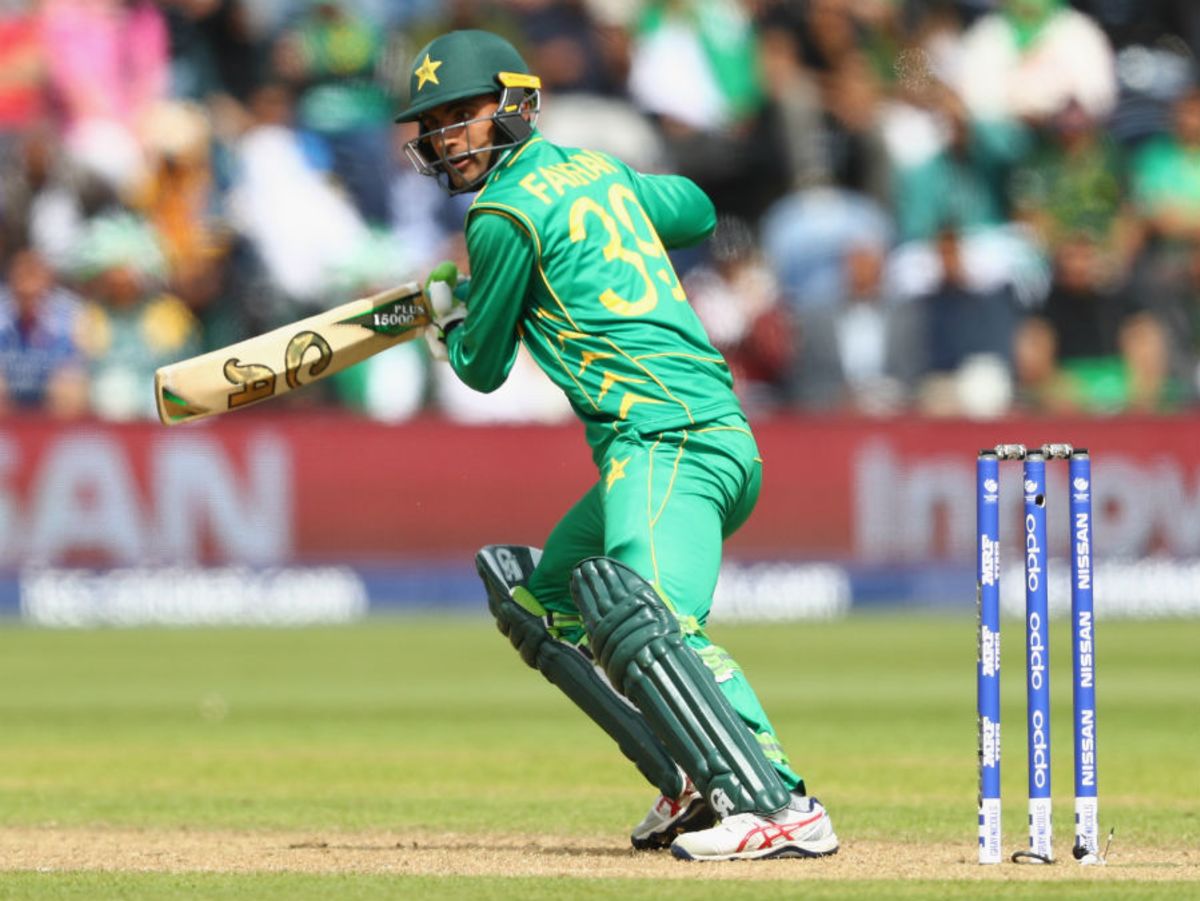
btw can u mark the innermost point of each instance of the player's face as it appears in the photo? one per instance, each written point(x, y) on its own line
point(461, 133)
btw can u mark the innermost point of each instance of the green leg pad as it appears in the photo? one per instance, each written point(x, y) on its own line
point(505, 569)
point(638, 642)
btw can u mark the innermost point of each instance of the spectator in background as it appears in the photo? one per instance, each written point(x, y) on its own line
point(608, 124)
point(22, 72)
point(953, 168)
point(741, 307)
point(1075, 182)
point(179, 197)
point(1029, 57)
point(566, 47)
point(849, 349)
point(331, 59)
point(41, 366)
point(826, 89)
point(827, 104)
point(500, 15)
point(958, 339)
point(49, 195)
point(1155, 42)
point(966, 180)
point(1093, 348)
point(1146, 22)
point(694, 66)
point(855, 151)
point(217, 49)
point(828, 34)
point(1172, 294)
point(828, 98)
point(583, 66)
point(108, 68)
point(209, 267)
point(834, 33)
point(130, 325)
point(612, 21)
point(807, 235)
point(109, 61)
point(298, 224)
point(1166, 178)
point(794, 103)
point(26, 168)
point(1166, 194)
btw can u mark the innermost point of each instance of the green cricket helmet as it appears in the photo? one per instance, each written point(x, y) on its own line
point(460, 65)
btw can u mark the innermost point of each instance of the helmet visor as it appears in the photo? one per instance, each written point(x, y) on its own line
point(427, 151)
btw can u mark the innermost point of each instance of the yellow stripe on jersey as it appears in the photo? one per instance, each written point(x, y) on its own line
point(725, 428)
point(611, 378)
point(675, 353)
point(564, 337)
point(517, 218)
point(516, 156)
point(686, 409)
point(558, 300)
point(629, 399)
point(590, 356)
point(571, 375)
point(512, 159)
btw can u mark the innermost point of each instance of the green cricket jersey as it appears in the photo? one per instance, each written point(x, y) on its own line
point(568, 254)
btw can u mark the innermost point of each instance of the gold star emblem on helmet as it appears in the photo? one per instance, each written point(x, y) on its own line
point(427, 72)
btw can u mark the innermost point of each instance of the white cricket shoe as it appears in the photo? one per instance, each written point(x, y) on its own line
point(802, 829)
point(669, 817)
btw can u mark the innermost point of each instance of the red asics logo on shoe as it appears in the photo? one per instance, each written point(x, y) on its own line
point(669, 806)
point(770, 833)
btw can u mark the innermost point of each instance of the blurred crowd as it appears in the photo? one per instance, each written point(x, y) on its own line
point(949, 207)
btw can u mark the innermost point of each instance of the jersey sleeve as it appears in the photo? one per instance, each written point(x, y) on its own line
point(682, 213)
point(483, 348)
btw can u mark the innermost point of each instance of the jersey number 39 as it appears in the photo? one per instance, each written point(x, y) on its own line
point(650, 253)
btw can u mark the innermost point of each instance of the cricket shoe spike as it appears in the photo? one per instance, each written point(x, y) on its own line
point(669, 817)
point(802, 829)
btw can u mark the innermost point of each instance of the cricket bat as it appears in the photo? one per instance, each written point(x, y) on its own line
point(288, 357)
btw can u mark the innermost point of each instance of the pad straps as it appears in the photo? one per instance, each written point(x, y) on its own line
point(640, 645)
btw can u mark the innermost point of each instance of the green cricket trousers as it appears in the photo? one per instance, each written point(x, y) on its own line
point(663, 506)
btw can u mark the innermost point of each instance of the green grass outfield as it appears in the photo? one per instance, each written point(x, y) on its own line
point(412, 726)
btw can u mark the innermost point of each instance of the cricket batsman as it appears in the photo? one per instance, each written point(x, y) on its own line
point(568, 254)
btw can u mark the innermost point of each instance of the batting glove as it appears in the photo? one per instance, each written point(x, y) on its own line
point(446, 294)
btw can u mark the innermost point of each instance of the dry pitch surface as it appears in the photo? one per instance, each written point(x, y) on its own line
point(334, 748)
point(180, 851)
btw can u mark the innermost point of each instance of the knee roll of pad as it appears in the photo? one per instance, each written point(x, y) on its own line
point(637, 641)
point(505, 567)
